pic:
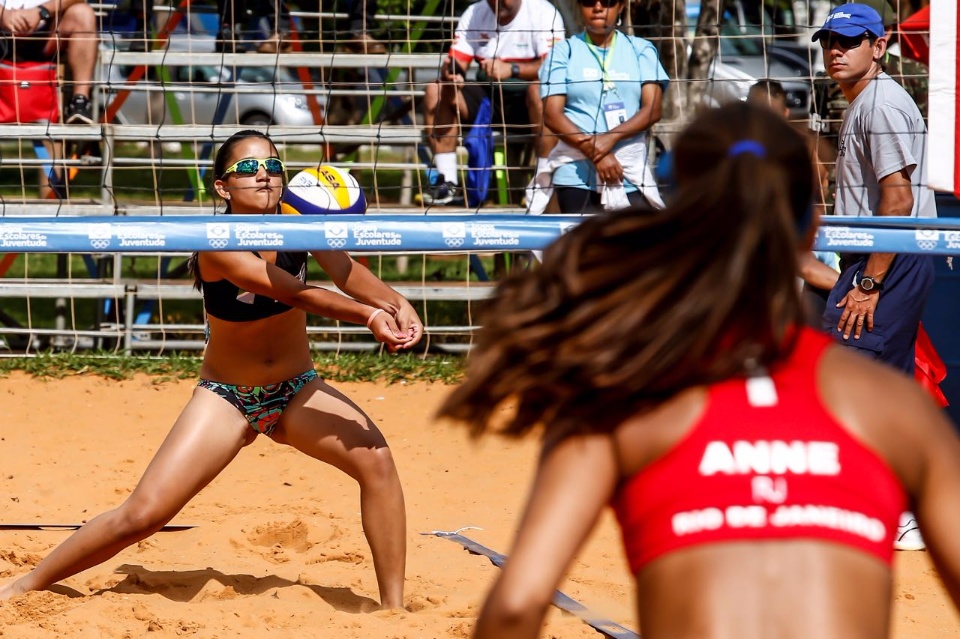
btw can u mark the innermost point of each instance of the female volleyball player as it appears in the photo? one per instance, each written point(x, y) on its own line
point(257, 377)
point(757, 471)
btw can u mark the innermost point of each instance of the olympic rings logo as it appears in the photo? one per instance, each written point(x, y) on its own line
point(336, 243)
point(218, 243)
point(927, 239)
point(100, 244)
point(454, 233)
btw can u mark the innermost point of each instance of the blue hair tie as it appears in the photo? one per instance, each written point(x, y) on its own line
point(747, 146)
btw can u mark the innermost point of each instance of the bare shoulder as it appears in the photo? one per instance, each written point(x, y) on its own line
point(644, 438)
point(884, 408)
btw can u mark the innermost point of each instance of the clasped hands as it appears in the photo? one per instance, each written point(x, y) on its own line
point(19, 21)
point(494, 69)
point(400, 331)
point(599, 149)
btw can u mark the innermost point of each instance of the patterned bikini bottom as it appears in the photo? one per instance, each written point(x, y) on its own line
point(261, 405)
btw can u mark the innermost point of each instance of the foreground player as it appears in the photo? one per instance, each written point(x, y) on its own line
point(757, 470)
point(257, 377)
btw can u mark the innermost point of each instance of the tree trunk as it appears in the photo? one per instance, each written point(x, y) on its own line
point(664, 22)
point(570, 12)
point(704, 50)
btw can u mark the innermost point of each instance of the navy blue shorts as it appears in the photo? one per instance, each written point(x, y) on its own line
point(906, 287)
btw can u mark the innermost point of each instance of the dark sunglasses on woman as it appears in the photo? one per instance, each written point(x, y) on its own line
point(603, 3)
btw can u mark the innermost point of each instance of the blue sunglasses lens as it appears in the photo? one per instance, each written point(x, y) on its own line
point(250, 166)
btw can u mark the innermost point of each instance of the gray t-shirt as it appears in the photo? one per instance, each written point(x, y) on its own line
point(882, 133)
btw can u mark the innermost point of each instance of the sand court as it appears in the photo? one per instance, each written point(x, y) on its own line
point(278, 549)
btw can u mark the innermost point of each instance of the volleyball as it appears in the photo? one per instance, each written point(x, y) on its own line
point(323, 190)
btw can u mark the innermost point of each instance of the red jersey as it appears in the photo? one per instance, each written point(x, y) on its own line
point(764, 461)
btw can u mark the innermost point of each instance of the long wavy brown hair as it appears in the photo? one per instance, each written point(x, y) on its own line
point(629, 308)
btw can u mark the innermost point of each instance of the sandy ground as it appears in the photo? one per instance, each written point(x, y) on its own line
point(278, 549)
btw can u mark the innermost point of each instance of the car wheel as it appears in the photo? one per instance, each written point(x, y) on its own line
point(256, 119)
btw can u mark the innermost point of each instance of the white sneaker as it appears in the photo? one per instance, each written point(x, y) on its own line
point(908, 534)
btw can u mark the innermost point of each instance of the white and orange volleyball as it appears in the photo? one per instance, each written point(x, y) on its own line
point(323, 190)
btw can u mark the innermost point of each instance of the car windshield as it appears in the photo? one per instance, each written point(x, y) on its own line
point(206, 74)
point(735, 39)
point(266, 74)
point(734, 42)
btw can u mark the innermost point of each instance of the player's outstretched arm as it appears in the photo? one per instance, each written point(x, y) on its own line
point(575, 481)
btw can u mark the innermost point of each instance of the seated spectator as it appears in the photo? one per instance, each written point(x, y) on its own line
point(265, 21)
point(508, 39)
point(37, 31)
point(361, 14)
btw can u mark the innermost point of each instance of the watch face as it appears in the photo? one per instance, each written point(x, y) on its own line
point(867, 283)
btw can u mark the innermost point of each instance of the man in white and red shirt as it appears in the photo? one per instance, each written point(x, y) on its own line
point(39, 30)
point(508, 39)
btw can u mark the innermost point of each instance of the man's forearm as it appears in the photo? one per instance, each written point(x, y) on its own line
point(896, 199)
point(877, 265)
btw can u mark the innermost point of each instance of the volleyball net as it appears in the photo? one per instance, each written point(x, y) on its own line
point(174, 79)
point(96, 220)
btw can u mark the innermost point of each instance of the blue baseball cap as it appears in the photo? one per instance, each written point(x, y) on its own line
point(852, 20)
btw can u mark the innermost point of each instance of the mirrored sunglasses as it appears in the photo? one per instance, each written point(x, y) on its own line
point(844, 42)
point(250, 166)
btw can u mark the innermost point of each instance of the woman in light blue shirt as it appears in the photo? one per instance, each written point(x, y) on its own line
point(601, 91)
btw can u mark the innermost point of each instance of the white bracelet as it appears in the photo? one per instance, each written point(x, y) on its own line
point(373, 315)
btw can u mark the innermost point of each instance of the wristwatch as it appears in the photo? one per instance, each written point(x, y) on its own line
point(868, 284)
point(44, 17)
point(514, 70)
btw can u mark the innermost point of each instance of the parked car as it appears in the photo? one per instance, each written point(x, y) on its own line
point(281, 102)
point(749, 52)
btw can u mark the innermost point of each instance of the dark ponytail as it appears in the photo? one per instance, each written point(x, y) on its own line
point(632, 307)
point(220, 163)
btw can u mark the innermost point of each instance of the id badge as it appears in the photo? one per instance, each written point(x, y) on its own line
point(615, 114)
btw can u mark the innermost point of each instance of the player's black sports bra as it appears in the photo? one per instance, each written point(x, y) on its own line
point(224, 300)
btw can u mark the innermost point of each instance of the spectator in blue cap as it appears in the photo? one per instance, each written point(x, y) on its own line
point(881, 170)
point(852, 20)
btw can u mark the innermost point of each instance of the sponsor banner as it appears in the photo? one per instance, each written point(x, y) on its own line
point(398, 233)
point(22, 237)
point(395, 233)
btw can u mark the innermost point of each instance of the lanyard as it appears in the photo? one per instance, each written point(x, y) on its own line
point(604, 59)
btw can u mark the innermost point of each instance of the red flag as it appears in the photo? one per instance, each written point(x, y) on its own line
point(915, 36)
point(930, 369)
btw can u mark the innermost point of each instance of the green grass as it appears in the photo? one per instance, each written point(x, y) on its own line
point(351, 367)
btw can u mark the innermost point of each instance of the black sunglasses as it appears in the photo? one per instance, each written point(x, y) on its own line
point(844, 42)
point(604, 3)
